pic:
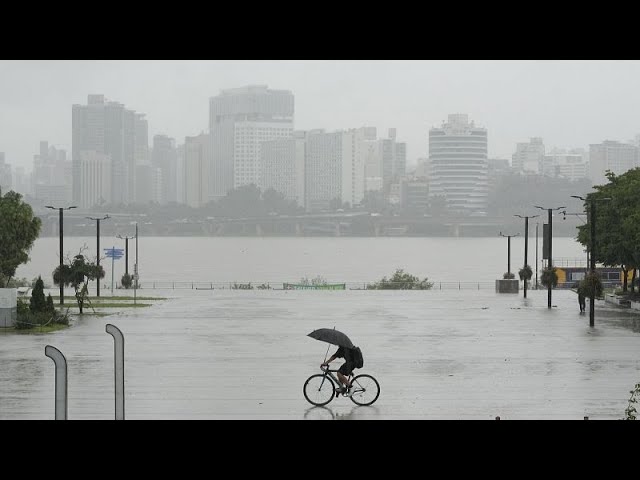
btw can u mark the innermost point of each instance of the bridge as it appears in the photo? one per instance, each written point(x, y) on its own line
point(337, 224)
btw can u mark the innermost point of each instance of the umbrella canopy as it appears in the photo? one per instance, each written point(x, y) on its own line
point(331, 336)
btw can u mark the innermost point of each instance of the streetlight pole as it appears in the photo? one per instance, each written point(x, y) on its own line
point(536, 255)
point(135, 270)
point(509, 249)
point(61, 230)
point(550, 264)
point(592, 300)
point(98, 247)
point(526, 244)
point(126, 252)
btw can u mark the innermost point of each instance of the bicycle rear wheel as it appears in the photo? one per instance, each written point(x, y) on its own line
point(319, 389)
point(365, 390)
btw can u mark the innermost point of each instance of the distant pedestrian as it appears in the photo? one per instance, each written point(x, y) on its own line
point(581, 301)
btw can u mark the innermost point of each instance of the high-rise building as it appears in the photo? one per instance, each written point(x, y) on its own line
point(108, 128)
point(567, 165)
point(323, 169)
point(22, 181)
point(51, 180)
point(165, 157)
point(95, 177)
point(5, 175)
point(239, 120)
point(529, 157)
point(197, 154)
point(458, 162)
point(148, 184)
point(283, 166)
point(394, 158)
point(611, 155)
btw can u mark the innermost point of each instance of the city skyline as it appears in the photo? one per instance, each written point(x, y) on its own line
point(570, 104)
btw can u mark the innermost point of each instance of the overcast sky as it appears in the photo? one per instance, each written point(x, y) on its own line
point(567, 103)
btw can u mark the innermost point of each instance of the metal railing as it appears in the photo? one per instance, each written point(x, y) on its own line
point(280, 285)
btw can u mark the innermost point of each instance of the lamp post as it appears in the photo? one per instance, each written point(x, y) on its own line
point(98, 247)
point(509, 249)
point(579, 215)
point(61, 229)
point(550, 264)
point(592, 202)
point(126, 252)
point(526, 245)
point(536, 255)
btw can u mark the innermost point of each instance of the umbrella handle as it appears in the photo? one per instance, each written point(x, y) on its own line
point(325, 355)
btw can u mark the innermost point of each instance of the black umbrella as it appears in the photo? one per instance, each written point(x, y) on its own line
point(332, 336)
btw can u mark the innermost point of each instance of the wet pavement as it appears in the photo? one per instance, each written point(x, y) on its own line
point(470, 354)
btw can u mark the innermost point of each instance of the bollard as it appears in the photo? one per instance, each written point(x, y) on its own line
point(118, 345)
point(61, 381)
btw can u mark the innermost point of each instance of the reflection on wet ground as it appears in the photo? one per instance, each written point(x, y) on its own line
point(245, 355)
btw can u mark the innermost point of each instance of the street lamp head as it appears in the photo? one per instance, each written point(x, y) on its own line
point(541, 208)
point(49, 206)
point(73, 206)
point(579, 197)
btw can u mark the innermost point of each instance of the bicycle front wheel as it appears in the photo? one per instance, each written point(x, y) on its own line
point(365, 390)
point(319, 389)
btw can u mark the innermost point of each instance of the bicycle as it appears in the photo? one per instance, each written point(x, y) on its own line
point(321, 388)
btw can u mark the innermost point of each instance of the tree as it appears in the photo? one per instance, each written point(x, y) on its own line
point(78, 273)
point(549, 277)
point(617, 222)
point(401, 281)
point(525, 273)
point(38, 303)
point(126, 280)
point(19, 228)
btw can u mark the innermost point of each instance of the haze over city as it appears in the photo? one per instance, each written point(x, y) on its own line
point(569, 104)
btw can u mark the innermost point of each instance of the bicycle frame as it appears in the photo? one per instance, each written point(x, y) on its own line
point(329, 373)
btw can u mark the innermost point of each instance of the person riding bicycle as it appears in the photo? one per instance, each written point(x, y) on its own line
point(345, 369)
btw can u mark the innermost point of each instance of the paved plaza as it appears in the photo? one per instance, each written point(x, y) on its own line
point(468, 354)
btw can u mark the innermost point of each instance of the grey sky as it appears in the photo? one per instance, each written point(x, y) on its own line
point(568, 103)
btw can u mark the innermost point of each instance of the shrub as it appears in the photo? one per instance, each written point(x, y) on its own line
point(508, 276)
point(591, 285)
point(38, 302)
point(401, 281)
point(549, 277)
point(525, 273)
point(127, 280)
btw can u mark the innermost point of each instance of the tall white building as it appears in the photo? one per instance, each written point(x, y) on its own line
point(197, 154)
point(394, 158)
point(336, 165)
point(572, 166)
point(354, 150)
point(247, 143)
point(165, 157)
point(611, 155)
point(529, 157)
point(323, 169)
point(95, 176)
point(5, 175)
point(283, 166)
point(52, 175)
point(110, 129)
point(239, 120)
point(458, 164)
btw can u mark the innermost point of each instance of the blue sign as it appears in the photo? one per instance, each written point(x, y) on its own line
point(115, 253)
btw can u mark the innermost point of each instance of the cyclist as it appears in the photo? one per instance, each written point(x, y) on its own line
point(345, 369)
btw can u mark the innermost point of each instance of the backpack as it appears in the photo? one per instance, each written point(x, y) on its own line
point(358, 361)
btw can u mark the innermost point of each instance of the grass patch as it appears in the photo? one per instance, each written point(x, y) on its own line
point(111, 305)
point(46, 329)
point(99, 299)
